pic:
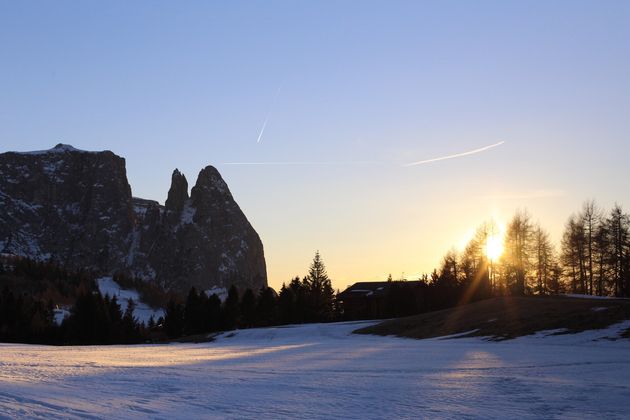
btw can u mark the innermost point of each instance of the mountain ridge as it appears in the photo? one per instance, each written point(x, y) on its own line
point(76, 207)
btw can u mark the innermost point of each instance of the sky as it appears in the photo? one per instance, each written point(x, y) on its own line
point(348, 93)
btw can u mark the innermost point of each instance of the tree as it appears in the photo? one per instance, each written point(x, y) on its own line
point(287, 304)
point(601, 253)
point(248, 309)
point(194, 316)
point(212, 313)
point(321, 291)
point(475, 264)
point(544, 260)
point(517, 252)
point(590, 218)
point(231, 310)
point(129, 330)
point(573, 254)
point(266, 309)
point(174, 318)
point(445, 282)
point(618, 226)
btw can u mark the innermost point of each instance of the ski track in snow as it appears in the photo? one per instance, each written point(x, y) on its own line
point(323, 371)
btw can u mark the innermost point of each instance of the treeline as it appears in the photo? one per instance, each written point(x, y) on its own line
point(593, 257)
point(43, 280)
point(24, 319)
point(97, 319)
point(29, 288)
point(27, 311)
point(311, 299)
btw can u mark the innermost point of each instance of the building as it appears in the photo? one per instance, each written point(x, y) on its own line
point(381, 299)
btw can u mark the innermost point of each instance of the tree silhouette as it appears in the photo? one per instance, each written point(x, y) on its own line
point(321, 292)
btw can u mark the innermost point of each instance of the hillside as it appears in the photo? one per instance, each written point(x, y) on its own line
point(509, 317)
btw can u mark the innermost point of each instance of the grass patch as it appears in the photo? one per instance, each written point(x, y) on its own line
point(508, 317)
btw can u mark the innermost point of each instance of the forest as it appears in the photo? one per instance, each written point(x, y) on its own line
point(593, 257)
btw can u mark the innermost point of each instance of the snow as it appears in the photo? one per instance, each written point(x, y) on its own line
point(323, 371)
point(60, 148)
point(140, 210)
point(142, 312)
point(59, 314)
point(135, 245)
point(221, 292)
point(578, 296)
point(188, 214)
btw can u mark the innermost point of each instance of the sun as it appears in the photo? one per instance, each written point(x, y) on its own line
point(494, 247)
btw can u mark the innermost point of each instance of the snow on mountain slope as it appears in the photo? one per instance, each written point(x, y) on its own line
point(323, 371)
point(142, 312)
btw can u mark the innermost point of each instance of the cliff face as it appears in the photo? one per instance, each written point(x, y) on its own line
point(202, 240)
point(76, 207)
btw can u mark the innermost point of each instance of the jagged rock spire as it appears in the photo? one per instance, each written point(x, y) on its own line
point(178, 193)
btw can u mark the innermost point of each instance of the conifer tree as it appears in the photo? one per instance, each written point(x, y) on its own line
point(248, 309)
point(266, 309)
point(174, 319)
point(231, 311)
point(286, 304)
point(212, 313)
point(321, 291)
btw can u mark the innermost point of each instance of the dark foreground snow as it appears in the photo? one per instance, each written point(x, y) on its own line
point(322, 371)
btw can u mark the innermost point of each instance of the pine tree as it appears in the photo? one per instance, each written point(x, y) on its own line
point(212, 313)
point(266, 309)
point(194, 313)
point(129, 323)
point(321, 291)
point(174, 319)
point(286, 304)
point(231, 312)
point(248, 309)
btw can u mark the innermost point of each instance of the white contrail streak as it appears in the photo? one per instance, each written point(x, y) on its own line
point(470, 152)
point(262, 130)
point(354, 162)
point(365, 162)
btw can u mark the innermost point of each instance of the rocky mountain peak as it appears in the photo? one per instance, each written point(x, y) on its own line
point(209, 185)
point(178, 193)
point(75, 207)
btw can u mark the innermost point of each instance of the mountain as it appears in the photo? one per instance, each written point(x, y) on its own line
point(76, 208)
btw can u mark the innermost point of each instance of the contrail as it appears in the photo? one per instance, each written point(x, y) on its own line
point(470, 152)
point(364, 162)
point(352, 162)
point(262, 130)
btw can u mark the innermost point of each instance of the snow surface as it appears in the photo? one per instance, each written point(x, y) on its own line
point(221, 292)
point(142, 312)
point(59, 314)
point(579, 296)
point(323, 371)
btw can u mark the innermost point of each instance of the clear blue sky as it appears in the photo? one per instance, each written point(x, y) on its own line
point(187, 84)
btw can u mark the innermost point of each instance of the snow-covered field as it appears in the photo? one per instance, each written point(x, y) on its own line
point(322, 371)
